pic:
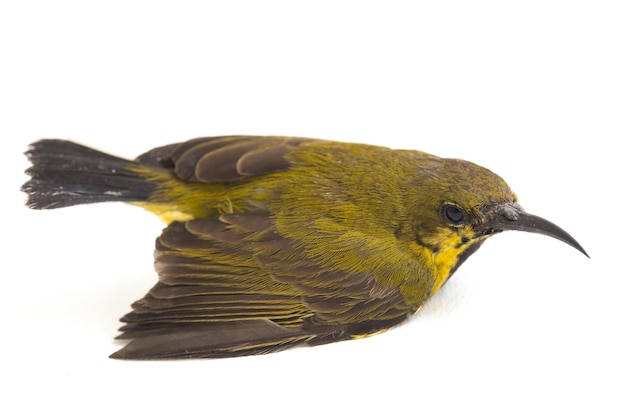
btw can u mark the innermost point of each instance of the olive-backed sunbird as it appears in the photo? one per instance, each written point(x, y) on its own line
point(273, 242)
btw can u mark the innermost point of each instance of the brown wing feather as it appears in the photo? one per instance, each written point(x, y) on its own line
point(227, 339)
point(236, 272)
point(224, 158)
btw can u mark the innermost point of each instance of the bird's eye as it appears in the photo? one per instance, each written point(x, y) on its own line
point(453, 214)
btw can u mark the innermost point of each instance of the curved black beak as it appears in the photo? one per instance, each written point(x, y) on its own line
point(513, 217)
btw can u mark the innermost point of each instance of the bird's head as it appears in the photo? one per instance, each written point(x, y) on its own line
point(461, 204)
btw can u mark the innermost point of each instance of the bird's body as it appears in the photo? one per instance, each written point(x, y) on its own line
point(278, 241)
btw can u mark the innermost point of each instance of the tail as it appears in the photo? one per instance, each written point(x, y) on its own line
point(64, 173)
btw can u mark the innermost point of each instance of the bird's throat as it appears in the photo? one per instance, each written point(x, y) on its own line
point(443, 260)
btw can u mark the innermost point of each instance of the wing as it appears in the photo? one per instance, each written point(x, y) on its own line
point(224, 158)
point(232, 285)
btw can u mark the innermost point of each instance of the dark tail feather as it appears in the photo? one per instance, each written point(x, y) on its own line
point(64, 173)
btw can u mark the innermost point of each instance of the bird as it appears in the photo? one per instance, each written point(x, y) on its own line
point(273, 242)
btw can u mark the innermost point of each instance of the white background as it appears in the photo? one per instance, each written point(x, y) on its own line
point(533, 90)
